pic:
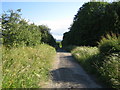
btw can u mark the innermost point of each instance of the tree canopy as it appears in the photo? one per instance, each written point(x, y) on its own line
point(17, 31)
point(93, 20)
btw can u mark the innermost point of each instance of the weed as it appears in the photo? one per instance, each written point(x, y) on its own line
point(26, 67)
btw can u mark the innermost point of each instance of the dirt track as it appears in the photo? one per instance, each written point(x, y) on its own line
point(67, 73)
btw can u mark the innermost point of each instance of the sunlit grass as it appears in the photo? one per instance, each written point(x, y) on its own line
point(0, 66)
point(26, 67)
point(106, 67)
point(83, 53)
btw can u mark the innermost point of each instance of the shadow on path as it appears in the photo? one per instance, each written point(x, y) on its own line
point(70, 74)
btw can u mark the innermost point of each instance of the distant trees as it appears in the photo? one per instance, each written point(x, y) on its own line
point(93, 20)
point(46, 36)
point(17, 31)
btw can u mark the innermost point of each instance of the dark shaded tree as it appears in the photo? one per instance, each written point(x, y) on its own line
point(93, 20)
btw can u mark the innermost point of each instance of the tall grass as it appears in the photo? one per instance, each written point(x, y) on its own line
point(84, 53)
point(86, 56)
point(0, 66)
point(109, 44)
point(103, 61)
point(110, 70)
point(26, 67)
point(105, 67)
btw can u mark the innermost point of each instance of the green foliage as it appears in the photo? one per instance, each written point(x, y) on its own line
point(46, 36)
point(106, 67)
point(59, 44)
point(109, 71)
point(84, 52)
point(0, 66)
point(27, 67)
point(93, 20)
point(109, 44)
point(85, 56)
point(25, 63)
point(103, 61)
point(91, 24)
point(18, 32)
point(69, 48)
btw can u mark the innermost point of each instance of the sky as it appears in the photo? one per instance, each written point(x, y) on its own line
point(56, 14)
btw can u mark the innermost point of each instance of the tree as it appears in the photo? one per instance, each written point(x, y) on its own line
point(18, 32)
point(93, 20)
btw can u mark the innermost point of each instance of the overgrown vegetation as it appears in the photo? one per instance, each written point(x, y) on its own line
point(110, 45)
point(93, 20)
point(26, 57)
point(103, 61)
point(18, 32)
point(26, 67)
point(97, 22)
point(0, 57)
point(59, 44)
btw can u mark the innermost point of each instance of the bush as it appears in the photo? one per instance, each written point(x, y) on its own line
point(0, 66)
point(69, 48)
point(26, 67)
point(109, 71)
point(105, 66)
point(109, 44)
point(18, 32)
point(85, 56)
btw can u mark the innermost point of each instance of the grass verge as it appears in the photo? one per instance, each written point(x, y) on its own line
point(0, 66)
point(26, 67)
point(105, 67)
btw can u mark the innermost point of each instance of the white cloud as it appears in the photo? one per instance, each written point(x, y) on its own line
point(58, 27)
point(58, 37)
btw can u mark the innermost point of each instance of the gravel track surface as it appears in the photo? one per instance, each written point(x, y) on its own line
point(67, 73)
